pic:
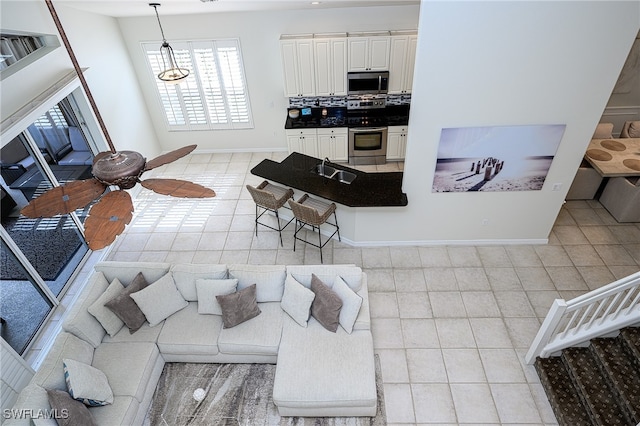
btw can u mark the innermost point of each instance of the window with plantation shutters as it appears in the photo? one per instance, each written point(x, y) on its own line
point(214, 95)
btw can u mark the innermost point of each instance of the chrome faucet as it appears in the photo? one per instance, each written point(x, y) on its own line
point(323, 161)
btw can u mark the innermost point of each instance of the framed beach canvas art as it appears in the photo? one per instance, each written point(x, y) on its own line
point(495, 158)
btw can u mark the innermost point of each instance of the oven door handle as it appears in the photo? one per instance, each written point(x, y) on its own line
point(367, 129)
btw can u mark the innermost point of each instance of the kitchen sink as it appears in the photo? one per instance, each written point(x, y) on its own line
point(344, 176)
point(324, 170)
point(341, 176)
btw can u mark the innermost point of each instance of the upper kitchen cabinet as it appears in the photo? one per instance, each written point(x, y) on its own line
point(402, 62)
point(298, 66)
point(331, 64)
point(369, 51)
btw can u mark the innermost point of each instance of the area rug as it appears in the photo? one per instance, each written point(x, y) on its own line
point(236, 394)
point(48, 243)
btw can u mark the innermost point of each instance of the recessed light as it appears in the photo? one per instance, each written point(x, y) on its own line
point(315, 2)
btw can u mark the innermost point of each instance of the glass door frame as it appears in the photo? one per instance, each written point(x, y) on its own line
point(16, 124)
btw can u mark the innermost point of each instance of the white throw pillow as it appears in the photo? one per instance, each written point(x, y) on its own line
point(87, 384)
point(351, 304)
point(297, 300)
point(207, 292)
point(185, 276)
point(159, 300)
point(105, 316)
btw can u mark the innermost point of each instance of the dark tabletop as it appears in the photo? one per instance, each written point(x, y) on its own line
point(367, 190)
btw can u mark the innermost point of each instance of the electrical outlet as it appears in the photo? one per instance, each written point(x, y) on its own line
point(556, 187)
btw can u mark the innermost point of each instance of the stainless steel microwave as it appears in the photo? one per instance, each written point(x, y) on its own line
point(367, 82)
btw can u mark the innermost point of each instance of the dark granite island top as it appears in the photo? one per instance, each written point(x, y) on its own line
point(379, 189)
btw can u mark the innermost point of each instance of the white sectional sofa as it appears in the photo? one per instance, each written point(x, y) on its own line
point(319, 373)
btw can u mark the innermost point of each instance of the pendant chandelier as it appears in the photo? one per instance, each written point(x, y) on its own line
point(172, 73)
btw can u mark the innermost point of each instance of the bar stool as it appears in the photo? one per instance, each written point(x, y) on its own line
point(270, 198)
point(310, 212)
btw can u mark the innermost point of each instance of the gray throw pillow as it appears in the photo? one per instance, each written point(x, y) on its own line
point(70, 412)
point(239, 307)
point(326, 305)
point(126, 308)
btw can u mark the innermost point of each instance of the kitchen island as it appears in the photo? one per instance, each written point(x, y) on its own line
point(381, 189)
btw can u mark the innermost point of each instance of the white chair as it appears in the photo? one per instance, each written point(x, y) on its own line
point(630, 129)
point(621, 197)
point(603, 131)
point(585, 184)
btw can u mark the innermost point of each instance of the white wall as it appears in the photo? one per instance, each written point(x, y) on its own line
point(259, 35)
point(503, 63)
point(98, 45)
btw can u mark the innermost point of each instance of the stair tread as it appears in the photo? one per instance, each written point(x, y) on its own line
point(594, 388)
point(631, 335)
point(622, 371)
point(562, 395)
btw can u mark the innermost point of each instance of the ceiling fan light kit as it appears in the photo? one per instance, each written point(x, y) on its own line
point(109, 216)
point(172, 74)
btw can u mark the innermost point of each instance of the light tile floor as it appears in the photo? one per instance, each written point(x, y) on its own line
point(451, 324)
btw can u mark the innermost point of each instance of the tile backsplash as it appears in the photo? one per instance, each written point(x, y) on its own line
point(340, 101)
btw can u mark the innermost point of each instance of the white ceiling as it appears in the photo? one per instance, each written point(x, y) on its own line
point(125, 8)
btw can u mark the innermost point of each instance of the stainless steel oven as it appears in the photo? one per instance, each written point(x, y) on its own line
point(367, 145)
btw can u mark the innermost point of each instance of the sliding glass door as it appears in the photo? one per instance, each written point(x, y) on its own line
point(40, 256)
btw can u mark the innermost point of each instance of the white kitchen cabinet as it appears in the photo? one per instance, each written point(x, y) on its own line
point(396, 142)
point(304, 141)
point(333, 144)
point(298, 66)
point(330, 56)
point(369, 53)
point(402, 63)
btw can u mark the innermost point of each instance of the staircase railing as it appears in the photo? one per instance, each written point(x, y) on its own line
point(594, 314)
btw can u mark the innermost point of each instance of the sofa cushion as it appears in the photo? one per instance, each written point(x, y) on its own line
point(126, 308)
point(238, 307)
point(159, 300)
point(128, 366)
point(257, 337)
point(187, 332)
point(351, 274)
point(77, 413)
point(208, 289)
point(146, 333)
point(87, 384)
point(269, 280)
point(79, 321)
point(127, 271)
point(105, 316)
point(317, 368)
point(326, 305)
point(351, 304)
point(297, 300)
point(123, 411)
point(185, 276)
point(50, 374)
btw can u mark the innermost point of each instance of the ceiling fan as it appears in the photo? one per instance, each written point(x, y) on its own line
point(109, 216)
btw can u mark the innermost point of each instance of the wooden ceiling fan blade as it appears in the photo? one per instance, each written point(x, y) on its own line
point(178, 188)
point(64, 199)
point(169, 157)
point(107, 219)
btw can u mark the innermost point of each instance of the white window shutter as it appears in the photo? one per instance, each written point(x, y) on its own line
point(214, 95)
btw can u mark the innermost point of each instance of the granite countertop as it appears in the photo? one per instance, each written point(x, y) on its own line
point(392, 115)
point(367, 190)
